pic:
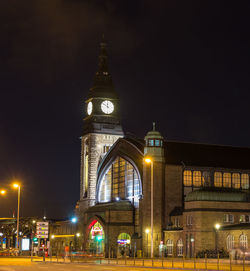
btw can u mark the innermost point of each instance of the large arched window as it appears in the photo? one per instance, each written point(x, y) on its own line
point(230, 242)
point(170, 247)
point(179, 247)
point(243, 241)
point(121, 181)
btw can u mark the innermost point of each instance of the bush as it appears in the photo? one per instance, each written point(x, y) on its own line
point(212, 253)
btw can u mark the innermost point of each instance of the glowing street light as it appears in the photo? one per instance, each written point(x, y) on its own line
point(149, 160)
point(74, 219)
point(3, 192)
point(17, 186)
point(78, 234)
point(217, 226)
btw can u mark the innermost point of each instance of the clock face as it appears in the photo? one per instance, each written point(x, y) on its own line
point(89, 108)
point(107, 107)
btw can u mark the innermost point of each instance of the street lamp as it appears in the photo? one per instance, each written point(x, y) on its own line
point(149, 160)
point(17, 186)
point(217, 227)
point(3, 192)
point(147, 231)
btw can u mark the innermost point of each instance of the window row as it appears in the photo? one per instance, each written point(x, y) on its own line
point(197, 178)
point(243, 242)
point(154, 143)
point(229, 218)
point(170, 247)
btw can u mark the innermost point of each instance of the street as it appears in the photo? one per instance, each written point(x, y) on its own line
point(24, 264)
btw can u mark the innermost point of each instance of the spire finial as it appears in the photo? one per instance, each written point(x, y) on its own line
point(102, 76)
point(153, 126)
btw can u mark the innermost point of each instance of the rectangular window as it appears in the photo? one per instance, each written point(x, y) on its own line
point(226, 179)
point(187, 178)
point(176, 222)
point(228, 218)
point(218, 179)
point(236, 180)
point(157, 142)
point(244, 181)
point(151, 142)
point(189, 220)
point(244, 218)
point(197, 178)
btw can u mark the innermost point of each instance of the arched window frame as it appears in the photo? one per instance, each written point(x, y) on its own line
point(106, 170)
point(179, 247)
point(230, 242)
point(170, 247)
point(243, 241)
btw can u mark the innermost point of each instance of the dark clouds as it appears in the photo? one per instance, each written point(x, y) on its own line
point(183, 64)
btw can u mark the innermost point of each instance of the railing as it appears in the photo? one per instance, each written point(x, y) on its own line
point(168, 262)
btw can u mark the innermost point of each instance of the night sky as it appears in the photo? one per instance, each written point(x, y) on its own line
point(183, 64)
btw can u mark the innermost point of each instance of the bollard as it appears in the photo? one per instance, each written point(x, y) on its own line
point(183, 261)
point(218, 261)
point(57, 256)
point(205, 261)
point(173, 260)
point(194, 262)
point(134, 256)
point(109, 256)
point(152, 261)
point(244, 261)
point(125, 259)
point(143, 258)
point(230, 259)
point(162, 260)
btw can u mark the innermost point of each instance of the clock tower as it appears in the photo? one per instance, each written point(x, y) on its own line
point(101, 128)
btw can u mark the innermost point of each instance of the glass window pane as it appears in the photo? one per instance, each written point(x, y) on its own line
point(244, 181)
point(218, 179)
point(151, 142)
point(197, 178)
point(157, 142)
point(226, 179)
point(236, 180)
point(187, 178)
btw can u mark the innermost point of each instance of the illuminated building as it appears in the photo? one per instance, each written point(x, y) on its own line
point(195, 186)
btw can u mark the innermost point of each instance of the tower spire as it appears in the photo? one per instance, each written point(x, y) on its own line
point(102, 76)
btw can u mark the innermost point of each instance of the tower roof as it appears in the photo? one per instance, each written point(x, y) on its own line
point(103, 85)
point(153, 133)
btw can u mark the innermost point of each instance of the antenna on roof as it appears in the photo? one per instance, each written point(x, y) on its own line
point(153, 126)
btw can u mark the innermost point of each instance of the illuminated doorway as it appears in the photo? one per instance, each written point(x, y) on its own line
point(96, 238)
point(124, 244)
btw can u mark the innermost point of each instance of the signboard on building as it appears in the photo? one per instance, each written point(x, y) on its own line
point(42, 230)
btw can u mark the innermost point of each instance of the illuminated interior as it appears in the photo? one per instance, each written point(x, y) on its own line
point(96, 238)
point(121, 181)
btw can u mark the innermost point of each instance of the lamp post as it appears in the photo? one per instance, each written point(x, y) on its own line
point(17, 186)
point(217, 227)
point(149, 160)
point(147, 231)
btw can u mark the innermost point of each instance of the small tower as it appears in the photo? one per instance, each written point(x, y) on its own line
point(101, 128)
point(154, 145)
point(154, 149)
